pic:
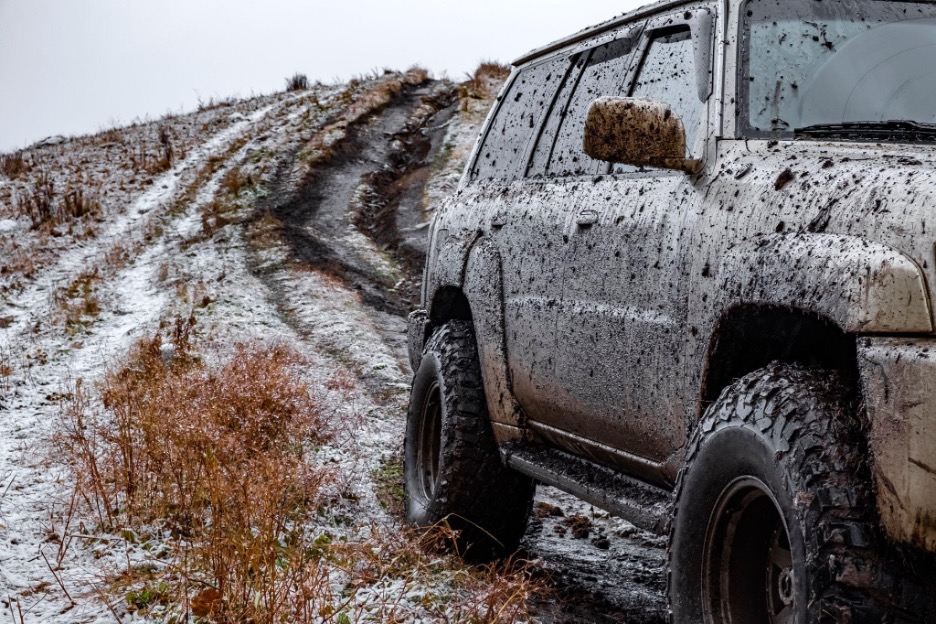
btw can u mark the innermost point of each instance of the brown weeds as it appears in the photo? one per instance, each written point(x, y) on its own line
point(45, 208)
point(485, 82)
point(79, 301)
point(39, 202)
point(13, 165)
point(216, 454)
point(297, 82)
point(222, 457)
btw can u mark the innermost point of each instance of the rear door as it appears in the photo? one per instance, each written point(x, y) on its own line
point(526, 230)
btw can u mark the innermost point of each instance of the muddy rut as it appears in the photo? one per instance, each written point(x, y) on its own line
point(373, 186)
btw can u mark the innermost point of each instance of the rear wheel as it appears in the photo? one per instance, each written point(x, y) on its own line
point(775, 520)
point(452, 467)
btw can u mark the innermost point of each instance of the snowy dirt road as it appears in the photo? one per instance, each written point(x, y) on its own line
point(319, 248)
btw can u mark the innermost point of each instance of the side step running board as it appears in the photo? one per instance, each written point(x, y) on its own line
point(643, 505)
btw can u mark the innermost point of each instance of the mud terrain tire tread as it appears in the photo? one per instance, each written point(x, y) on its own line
point(820, 452)
point(488, 503)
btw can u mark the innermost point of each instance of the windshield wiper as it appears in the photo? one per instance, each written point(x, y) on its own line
point(883, 130)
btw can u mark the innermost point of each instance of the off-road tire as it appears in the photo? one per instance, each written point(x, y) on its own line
point(794, 431)
point(469, 488)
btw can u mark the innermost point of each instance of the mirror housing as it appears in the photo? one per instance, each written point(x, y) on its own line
point(639, 132)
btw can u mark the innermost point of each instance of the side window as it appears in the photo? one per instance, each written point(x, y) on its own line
point(517, 119)
point(605, 73)
point(668, 74)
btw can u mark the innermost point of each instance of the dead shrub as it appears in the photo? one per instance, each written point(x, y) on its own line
point(416, 75)
point(78, 203)
point(143, 158)
point(222, 456)
point(234, 181)
point(39, 201)
point(215, 215)
point(79, 301)
point(45, 209)
point(217, 454)
point(213, 103)
point(297, 82)
point(13, 165)
point(486, 81)
point(19, 261)
point(166, 152)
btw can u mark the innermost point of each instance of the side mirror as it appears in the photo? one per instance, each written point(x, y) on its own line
point(639, 132)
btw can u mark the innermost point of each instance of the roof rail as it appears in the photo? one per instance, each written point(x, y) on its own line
point(591, 31)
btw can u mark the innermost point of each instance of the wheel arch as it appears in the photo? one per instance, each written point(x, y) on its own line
point(862, 287)
point(750, 336)
point(479, 299)
point(803, 298)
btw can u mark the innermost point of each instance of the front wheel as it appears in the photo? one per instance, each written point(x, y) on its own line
point(775, 520)
point(452, 468)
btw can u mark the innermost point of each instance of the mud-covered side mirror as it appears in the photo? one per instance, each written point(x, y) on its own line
point(639, 132)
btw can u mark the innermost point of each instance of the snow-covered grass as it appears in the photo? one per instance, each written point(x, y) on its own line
point(92, 391)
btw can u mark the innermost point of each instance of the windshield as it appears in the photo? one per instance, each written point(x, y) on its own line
point(812, 63)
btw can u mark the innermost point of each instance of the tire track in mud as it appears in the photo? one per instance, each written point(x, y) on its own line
point(372, 187)
point(387, 156)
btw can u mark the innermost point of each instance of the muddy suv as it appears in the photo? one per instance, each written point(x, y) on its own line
point(686, 278)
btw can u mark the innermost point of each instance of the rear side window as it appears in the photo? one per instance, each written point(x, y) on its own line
point(502, 155)
point(560, 150)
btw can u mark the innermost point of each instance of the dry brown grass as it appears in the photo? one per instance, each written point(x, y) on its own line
point(223, 457)
point(153, 160)
point(234, 182)
point(13, 165)
point(78, 202)
point(486, 81)
point(297, 82)
point(46, 208)
point(217, 455)
point(39, 201)
point(79, 302)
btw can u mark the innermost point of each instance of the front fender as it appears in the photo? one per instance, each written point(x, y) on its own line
point(862, 287)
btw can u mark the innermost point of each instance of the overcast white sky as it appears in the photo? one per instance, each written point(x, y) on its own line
point(78, 66)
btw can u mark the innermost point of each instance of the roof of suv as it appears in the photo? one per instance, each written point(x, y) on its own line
point(597, 29)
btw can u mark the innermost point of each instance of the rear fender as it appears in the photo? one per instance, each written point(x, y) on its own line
point(483, 286)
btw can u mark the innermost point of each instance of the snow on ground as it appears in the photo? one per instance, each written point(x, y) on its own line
point(150, 258)
point(44, 362)
point(156, 253)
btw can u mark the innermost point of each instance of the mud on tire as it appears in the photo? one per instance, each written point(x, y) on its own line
point(452, 469)
point(775, 518)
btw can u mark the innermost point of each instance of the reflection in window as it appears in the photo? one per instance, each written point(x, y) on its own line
point(810, 63)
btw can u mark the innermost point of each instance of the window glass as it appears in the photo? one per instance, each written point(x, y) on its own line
point(668, 74)
point(605, 74)
point(809, 63)
point(501, 157)
point(544, 144)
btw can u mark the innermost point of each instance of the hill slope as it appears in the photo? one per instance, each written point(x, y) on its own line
point(293, 219)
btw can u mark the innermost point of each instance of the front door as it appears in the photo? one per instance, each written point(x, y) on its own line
point(622, 318)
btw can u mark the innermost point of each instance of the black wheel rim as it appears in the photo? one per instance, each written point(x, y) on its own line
point(430, 441)
point(748, 576)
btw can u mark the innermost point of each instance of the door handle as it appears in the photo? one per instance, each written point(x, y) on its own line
point(587, 218)
point(499, 220)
